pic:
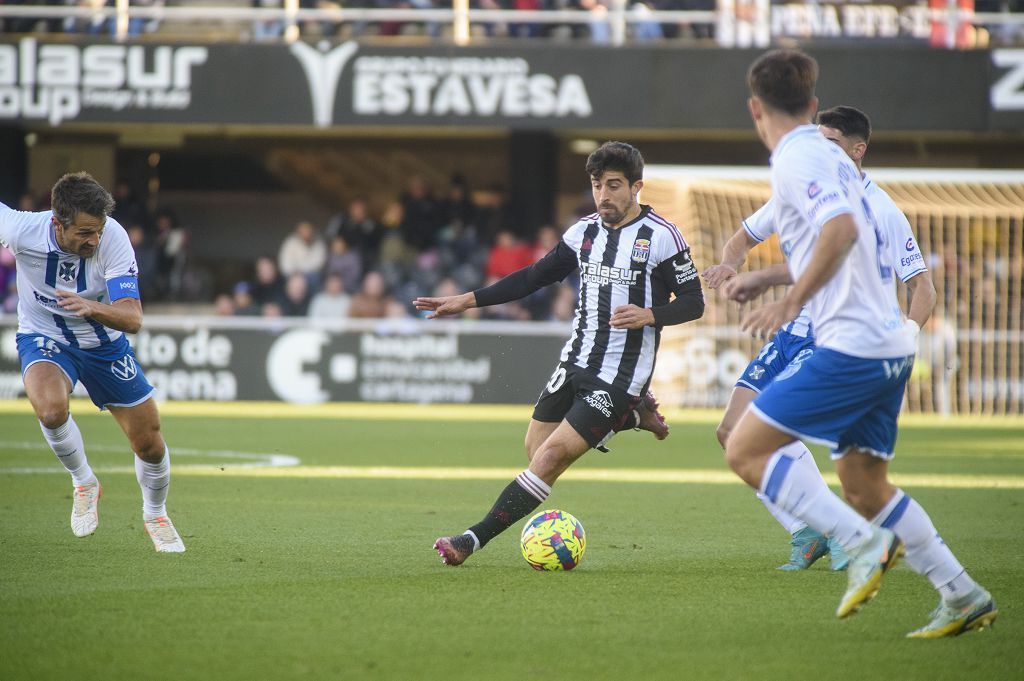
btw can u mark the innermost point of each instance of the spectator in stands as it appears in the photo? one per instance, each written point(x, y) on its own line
point(494, 214)
point(371, 301)
point(146, 257)
point(333, 302)
point(270, 29)
point(303, 252)
point(419, 215)
point(129, 209)
point(8, 272)
point(224, 305)
point(362, 232)
point(395, 256)
point(271, 310)
point(9, 297)
point(171, 246)
point(547, 239)
point(296, 296)
point(345, 263)
point(563, 308)
point(268, 286)
point(507, 255)
point(244, 305)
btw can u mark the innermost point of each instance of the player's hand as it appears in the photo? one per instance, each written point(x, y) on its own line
point(716, 275)
point(631, 317)
point(448, 305)
point(75, 304)
point(744, 287)
point(766, 320)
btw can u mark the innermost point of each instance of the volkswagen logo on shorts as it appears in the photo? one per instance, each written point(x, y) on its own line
point(124, 368)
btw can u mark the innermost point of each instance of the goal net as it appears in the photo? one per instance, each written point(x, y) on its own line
point(970, 226)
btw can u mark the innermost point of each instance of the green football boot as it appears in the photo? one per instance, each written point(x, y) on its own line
point(978, 612)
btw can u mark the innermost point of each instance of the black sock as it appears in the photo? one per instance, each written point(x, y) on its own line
point(512, 506)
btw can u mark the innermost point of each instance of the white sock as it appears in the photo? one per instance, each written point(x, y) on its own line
point(66, 442)
point(536, 487)
point(800, 491)
point(927, 554)
point(154, 479)
point(476, 540)
point(798, 451)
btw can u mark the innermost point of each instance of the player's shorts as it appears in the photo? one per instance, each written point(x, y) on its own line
point(839, 401)
point(777, 354)
point(592, 407)
point(109, 372)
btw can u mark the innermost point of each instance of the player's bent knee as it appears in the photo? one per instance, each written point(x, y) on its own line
point(52, 417)
point(722, 433)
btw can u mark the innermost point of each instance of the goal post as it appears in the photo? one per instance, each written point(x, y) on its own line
point(970, 226)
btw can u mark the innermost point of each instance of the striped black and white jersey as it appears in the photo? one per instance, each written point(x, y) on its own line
point(642, 263)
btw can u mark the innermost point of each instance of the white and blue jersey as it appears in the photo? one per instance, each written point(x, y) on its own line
point(849, 391)
point(84, 349)
point(43, 269)
point(795, 340)
point(856, 312)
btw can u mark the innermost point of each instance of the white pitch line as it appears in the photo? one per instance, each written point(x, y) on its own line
point(234, 460)
point(618, 475)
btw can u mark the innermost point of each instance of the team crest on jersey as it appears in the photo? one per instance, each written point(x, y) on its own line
point(67, 271)
point(124, 368)
point(641, 250)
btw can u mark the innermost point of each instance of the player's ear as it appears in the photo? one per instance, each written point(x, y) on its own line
point(637, 186)
point(754, 106)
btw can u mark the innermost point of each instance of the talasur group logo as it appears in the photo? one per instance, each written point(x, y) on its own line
point(57, 82)
point(429, 86)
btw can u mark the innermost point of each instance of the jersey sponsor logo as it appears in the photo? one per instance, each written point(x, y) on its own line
point(601, 401)
point(44, 301)
point(67, 271)
point(125, 368)
point(813, 190)
point(641, 250)
point(685, 270)
point(911, 259)
point(821, 203)
point(603, 275)
point(910, 244)
point(894, 368)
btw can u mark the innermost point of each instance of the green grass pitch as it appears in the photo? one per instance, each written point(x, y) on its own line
point(310, 577)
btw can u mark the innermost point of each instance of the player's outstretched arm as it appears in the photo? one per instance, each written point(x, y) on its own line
point(734, 254)
point(745, 287)
point(445, 306)
point(124, 314)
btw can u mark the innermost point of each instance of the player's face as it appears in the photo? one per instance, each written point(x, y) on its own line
point(614, 196)
point(81, 236)
point(854, 147)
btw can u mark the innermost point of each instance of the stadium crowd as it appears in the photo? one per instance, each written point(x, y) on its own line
point(358, 265)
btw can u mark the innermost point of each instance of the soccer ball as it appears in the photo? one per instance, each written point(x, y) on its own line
point(553, 540)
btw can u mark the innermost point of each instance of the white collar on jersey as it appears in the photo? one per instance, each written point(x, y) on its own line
point(798, 131)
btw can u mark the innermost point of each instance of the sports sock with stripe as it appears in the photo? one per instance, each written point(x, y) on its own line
point(926, 553)
point(521, 496)
point(801, 492)
point(154, 480)
point(802, 456)
point(66, 442)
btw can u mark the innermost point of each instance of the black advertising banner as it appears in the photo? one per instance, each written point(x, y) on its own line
point(299, 363)
point(551, 87)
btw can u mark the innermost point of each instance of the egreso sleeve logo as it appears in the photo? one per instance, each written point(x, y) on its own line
point(57, 82)
point(438, 86)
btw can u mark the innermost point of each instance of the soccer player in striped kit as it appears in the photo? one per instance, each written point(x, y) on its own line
point(848, 393)
point(78, 294)
point(631, 262)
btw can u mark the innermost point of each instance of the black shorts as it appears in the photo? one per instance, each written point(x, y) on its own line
point(592, 407)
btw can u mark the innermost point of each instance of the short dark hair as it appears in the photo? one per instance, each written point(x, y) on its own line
point(76, 193)
point(847, 120)
point(784, 80)
point(616, 156)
